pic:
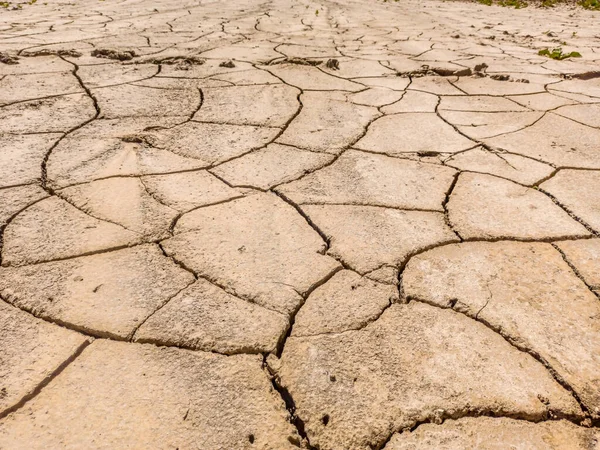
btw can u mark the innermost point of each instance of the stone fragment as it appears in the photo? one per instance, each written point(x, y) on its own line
point(486, 433)
point(124, 201)
point(368, 237)
point(257, 247)
point(13, 200)
point(32, 351)
point(107, 295)
point(506, 165)
point(128, 100)
point(21, 157)
point(53, 229)
point(360, 178)
point(584, 255)
point(414, 364)
point(579, 192)
point(273, 165)
point(346, 302)
point(167, 398)
point(311, 78)
point(487, 207)
point(555, 140)
point(48, 115)
point(268, 105)
point(412, 132)
point(204, 317)
point(188, 190)
point(327, 123)
point(527, 293)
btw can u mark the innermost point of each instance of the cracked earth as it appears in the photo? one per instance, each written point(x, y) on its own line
point(292, 224)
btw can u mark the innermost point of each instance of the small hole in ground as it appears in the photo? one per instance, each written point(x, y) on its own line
point(251, 438)
point(325, 419)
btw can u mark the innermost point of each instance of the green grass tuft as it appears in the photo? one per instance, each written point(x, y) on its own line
point(557, 53)
point(590, 4)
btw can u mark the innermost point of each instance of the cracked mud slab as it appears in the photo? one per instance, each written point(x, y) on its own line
point(167, 398)
point(205, 317)
point(109, 294)
point(333, 225)
point(358, 178)
point(487, 207)
point(31, 351)
point(413, 102)
point(55, 229)
point(49, 115)
point(585, 257)
point(273, 165)
point(414, 363)
point(579, 192)
point(346, 302)
point(549, 141)
point(210, 143)
point(506, 285)
point(16, 199)
point(108, 148)
point(267, 105)
point(21, 157)
point(367, 237)
point(327, 123)
point(188, 190)
point(504, 165)
point(133, 101)
point(411, 133)
point(266, 251)
point(123, 201)
point(486, 434)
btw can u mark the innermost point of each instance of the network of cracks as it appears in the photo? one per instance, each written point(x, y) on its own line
point(283, 224)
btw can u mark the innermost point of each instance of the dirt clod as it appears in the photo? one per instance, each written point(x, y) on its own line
point(119, 55)
point(5, 58)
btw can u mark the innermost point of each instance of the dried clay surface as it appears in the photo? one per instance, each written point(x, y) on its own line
point(318, 225)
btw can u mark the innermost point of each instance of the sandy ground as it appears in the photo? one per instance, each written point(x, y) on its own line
point(294, 224)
